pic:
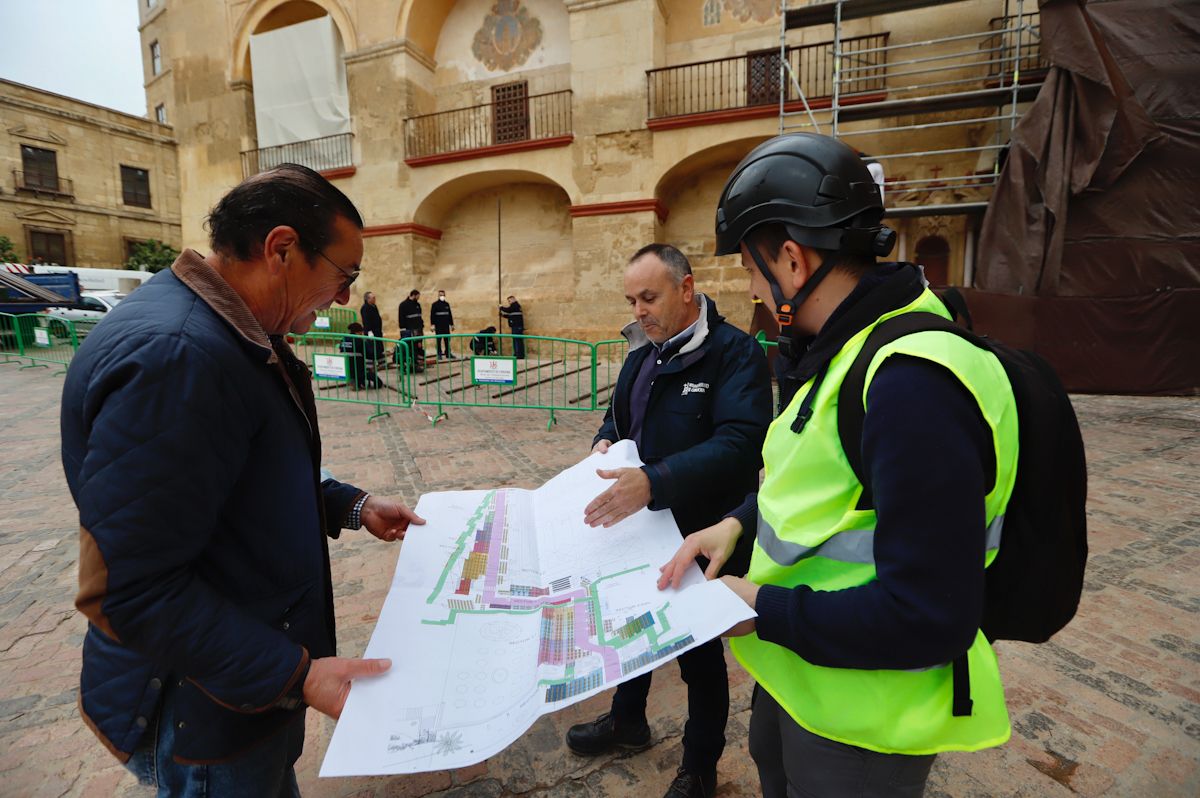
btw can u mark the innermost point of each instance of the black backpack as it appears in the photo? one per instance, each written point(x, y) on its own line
point(1034, 584)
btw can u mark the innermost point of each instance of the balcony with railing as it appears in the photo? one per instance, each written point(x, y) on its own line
point(326, 154)
point(747, 86)
point(514, 123)
point(1016, 39)
point(43, 185)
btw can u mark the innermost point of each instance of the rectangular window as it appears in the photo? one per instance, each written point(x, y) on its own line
point(160, 113)
point(510, 112)
point(135, 186)
point(155, 58)
point(762, 77)
point(47, 246)
point(40, 168)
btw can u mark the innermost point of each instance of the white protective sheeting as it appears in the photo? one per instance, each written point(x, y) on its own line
point(300, 90)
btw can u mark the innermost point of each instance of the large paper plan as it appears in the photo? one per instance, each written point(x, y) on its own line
point(505, 606)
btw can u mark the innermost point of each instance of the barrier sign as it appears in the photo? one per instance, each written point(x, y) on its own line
point(322, 323)
point(494, 370)
point(41, 336)
point(330, 367)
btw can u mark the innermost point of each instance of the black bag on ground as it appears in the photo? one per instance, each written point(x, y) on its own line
point(1034, 584)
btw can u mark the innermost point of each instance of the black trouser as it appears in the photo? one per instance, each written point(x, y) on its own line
point(703, 670)
point(518, 343)
point(416, 349)
point(795, 763)
point(443, 341)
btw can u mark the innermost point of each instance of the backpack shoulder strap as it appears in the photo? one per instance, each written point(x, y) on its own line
point(851, 412)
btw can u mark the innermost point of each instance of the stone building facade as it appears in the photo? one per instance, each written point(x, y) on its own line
point(528, 147)
point(80, 184)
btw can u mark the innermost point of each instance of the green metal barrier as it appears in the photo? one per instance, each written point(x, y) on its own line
point(465, 370)
point(353, 369)
point(11, 347)
point(610, 356)
point(334, 320)
point(46, 341)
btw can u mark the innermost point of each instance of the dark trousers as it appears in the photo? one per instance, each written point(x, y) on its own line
point(518, 343)
point(443, 342)
point(795, 763)
point(703, 670)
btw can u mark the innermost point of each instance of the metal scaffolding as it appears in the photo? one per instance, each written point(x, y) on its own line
point(972, 81)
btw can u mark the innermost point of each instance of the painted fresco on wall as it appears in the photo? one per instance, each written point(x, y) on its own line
point(508, 37)
point(756, 10)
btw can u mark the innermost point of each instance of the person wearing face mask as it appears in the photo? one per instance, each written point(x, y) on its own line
point(191, 447)
point(443, 324)
point(869, 590)
point(695, 396)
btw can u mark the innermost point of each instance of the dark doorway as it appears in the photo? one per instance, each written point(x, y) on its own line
point(934, 254)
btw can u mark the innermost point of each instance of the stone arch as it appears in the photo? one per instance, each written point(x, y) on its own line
point(432, 208)
point(420, 23)
point(264, 15)
point(536, 247)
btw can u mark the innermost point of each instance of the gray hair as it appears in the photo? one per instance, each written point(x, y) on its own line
point(676, 262)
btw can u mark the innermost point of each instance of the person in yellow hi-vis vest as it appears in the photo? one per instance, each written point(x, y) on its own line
point(867, 651)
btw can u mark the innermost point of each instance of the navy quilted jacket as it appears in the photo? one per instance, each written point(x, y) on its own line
point(190, 446)
point(705, 422)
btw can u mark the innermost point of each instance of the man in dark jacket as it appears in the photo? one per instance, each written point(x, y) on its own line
point(443, 324)
point(695, 395)
point(516, 325)
point(412, 325)
point(372, 322)
point(190, 445)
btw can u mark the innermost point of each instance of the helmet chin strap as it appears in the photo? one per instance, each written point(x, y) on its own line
point(785, 309)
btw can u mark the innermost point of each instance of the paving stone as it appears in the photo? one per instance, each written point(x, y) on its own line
point(1109, 707)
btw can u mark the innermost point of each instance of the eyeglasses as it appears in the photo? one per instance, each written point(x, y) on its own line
point(350, 276)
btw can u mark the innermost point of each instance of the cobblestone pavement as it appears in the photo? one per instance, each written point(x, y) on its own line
point(1110, 707)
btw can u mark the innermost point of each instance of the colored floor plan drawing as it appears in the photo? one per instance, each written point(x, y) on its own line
point(506, 606)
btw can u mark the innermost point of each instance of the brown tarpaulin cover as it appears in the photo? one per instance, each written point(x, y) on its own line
point(1090, 248)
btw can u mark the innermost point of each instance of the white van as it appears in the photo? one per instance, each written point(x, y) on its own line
point(118, 280)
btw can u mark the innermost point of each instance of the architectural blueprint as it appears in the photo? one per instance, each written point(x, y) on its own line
point(506, 606)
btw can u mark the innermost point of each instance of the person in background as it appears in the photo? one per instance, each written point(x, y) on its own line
point(372, 322)
point(443, 324)
point(412, 325)
point(516, 324)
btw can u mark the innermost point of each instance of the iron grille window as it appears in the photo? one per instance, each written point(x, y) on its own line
point(155, 58)
point(510, 110)
point(762, 77)
point(48, 246)
point(135, 186)
point(41, 167)
point(160, 113)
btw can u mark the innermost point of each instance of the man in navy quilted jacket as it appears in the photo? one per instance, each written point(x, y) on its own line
point(190, 445)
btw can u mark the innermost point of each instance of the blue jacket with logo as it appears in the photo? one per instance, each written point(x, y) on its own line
point(190, 446)
point(704, 423)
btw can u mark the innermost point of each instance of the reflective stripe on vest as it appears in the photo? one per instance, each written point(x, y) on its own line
point(851, 545)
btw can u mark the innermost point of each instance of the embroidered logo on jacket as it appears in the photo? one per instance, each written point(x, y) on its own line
point(694, 387)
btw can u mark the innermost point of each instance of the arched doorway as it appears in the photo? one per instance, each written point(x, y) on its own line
point(934, 254)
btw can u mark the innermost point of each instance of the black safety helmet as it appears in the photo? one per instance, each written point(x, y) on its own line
point(819, 189)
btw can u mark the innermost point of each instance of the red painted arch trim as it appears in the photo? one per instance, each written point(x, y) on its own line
point(407, 228)
point(628, 206)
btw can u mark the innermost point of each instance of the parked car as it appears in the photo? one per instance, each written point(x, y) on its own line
point(92, 307)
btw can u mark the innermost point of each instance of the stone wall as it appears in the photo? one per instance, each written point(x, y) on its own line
point(91, 144)
point(577, 210)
